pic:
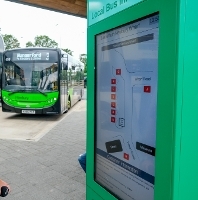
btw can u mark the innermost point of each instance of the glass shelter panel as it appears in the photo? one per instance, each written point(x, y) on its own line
point(126, 103)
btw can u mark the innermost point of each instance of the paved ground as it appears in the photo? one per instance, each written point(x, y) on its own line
point(47, 169)
point(17, 127)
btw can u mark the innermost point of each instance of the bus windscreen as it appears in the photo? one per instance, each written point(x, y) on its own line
point(30, 70)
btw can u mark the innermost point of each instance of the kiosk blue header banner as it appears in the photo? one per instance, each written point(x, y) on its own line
point(99, 10)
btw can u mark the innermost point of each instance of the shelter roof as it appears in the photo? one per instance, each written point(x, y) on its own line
point(72, 7)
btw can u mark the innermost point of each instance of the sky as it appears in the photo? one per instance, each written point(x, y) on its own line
point(26, 22)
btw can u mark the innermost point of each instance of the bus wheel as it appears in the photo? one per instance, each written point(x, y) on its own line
point(69, 103)
point(65, 111)
point(80, 97)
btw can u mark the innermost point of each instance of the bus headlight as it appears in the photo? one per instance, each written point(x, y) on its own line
point(5, 98)
point(51, 100)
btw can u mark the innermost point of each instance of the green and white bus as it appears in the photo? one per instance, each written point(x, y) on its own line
point(2, 49)
point(40, 81)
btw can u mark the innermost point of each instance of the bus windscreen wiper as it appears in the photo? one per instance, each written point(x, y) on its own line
point(15, 91)
point(35, 89)
point(27, 89)
point(41, 92)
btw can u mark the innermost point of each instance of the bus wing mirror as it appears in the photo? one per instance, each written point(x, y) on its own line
point(65, 66)
point(73, 67)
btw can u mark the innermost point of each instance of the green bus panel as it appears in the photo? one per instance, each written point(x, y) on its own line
point(176, 160)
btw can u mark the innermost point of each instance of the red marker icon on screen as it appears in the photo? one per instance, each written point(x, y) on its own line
point(147, 89)
point(126, 156)
point(113, 81)
point(118, 71)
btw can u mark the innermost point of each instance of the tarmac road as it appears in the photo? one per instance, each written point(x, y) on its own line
point(26, 127)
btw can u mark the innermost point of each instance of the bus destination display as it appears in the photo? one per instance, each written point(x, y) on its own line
point(27, 56)
point(126, 106)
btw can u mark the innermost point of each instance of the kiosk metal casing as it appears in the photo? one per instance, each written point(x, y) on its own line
point(145, 52)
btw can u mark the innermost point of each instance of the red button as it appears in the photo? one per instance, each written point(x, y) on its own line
point(113, 119)
point(113, 81)
point(147, 89)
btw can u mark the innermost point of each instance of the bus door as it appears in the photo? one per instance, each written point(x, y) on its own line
point(62, 89)
point(64, 98)
point(0, 74)
point(1, 52)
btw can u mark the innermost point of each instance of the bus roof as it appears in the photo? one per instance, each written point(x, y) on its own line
point(32, 48)
point(2, 46)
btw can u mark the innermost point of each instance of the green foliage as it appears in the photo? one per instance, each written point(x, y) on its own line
point(85, 69)
point(42, 41)
point(70, 52)
point(79, 76)
point(83, 59)
point(29, 44)
point(10, 42)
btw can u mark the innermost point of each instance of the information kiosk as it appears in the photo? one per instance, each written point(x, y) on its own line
point(142, 104)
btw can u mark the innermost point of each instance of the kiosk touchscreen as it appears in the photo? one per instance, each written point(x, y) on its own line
point(126, 102)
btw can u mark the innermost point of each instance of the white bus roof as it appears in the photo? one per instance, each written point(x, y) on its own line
point(73, 60)
point(2, 46)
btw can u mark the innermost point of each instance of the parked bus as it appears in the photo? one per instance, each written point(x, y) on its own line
point(40, 81)
point(2, 48)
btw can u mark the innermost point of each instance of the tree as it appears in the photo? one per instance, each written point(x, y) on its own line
point(10, 42)
point(83, 59)
point(42, 41)
point(29, 44)
point(70, 52)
